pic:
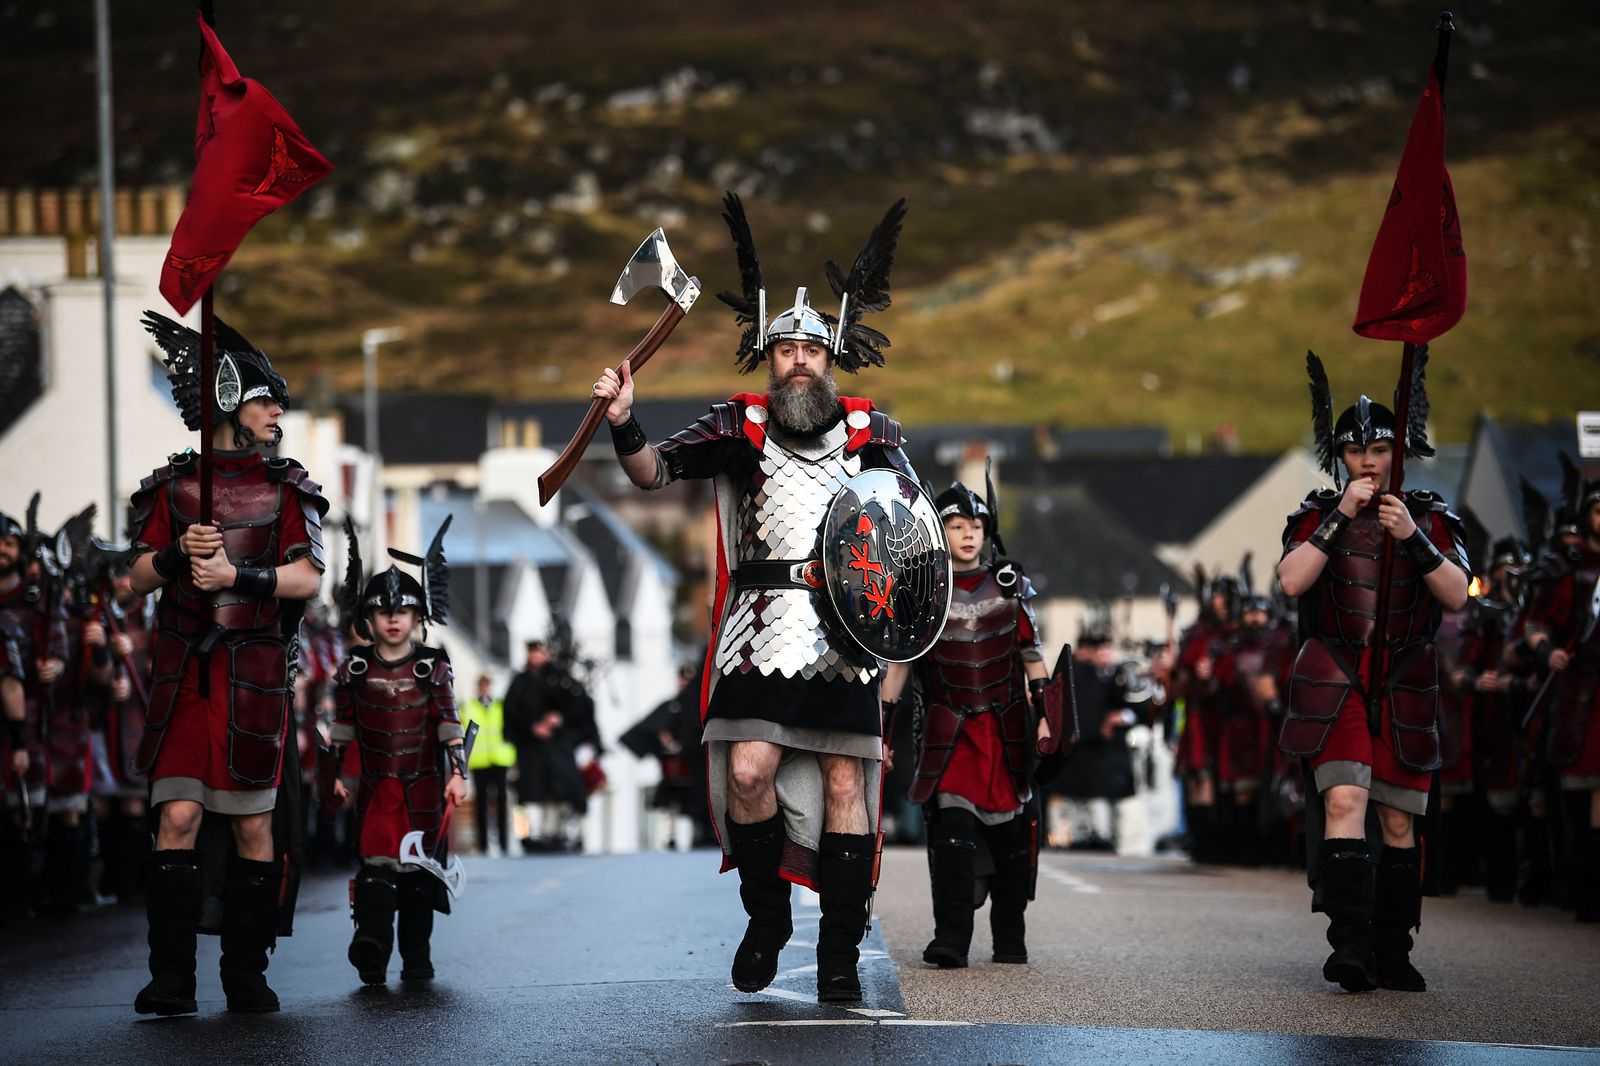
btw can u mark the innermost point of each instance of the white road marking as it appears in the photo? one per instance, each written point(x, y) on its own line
point(874, 1012)
point(921, 1021)
point(1060, 876)
point(798, 1022)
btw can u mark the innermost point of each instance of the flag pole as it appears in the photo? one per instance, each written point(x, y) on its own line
point(1378, 670)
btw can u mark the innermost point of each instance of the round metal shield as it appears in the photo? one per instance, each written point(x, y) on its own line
point(886, 565)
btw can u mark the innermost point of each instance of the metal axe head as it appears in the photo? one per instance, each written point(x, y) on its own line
point(654, 266)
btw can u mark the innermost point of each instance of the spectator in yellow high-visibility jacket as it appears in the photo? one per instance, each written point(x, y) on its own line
point(492, 756)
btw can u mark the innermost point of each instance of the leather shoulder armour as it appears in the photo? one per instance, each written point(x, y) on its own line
point(313, 504)
point(179, 464)
point(1012, 581)
point(1319, 501)
point(724, 420)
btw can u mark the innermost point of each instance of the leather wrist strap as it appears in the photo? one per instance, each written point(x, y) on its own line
point(1423, 552)
point(170, 561)
point(256, 583)
point(458, 761)
point(1329, 531)
point(629, 437)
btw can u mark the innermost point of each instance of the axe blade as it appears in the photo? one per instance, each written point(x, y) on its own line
point(654, 266)
point(411, 849)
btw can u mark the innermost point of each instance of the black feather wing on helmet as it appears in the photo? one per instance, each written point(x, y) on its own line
point(435, 574)
point(180, 348)
point(746, 303)
point(1417, 445)
point(1535, 514)
point(73, 538)
point(1322, 416)
point(1571, 486)
point(868, 289)
point(992, 501)
point(350, 596)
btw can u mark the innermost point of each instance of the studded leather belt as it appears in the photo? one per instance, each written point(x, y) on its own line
point(779, 574)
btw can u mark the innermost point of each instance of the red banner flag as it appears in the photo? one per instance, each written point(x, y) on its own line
point(1415, 287)
point(250, 159)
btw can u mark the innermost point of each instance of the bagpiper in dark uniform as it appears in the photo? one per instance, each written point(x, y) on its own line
point(976, 735)
point(1362, 744)
point(396, 704)
point(222, 670)
point(1563, 636)
point(791, 707)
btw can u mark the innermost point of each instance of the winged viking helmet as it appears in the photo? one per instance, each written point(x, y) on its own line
point(1364, 422)
point(394, 589)
point(243, 371)
point(852, 343)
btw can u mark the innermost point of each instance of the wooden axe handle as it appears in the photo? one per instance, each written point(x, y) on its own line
point(552, 479)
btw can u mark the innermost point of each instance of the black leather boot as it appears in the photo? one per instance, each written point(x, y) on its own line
point(1347, 880)
point(1500, 858)
point(249, 931)
point(376, 899)
point(844, 888)
point(65, 867)
point(1586, 877)
point(1008, 891)
point(952, 857)
point(1396, 912)
point(172, 906)
point(757, 853)
point(417, 892)
point(1536, 862)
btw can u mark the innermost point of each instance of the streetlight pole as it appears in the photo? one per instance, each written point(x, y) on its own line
point(108, 236)
point(370, 340)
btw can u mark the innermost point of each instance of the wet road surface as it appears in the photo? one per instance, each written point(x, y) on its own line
point(624, 959)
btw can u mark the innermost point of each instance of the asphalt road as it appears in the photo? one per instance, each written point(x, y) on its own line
point(624, 959)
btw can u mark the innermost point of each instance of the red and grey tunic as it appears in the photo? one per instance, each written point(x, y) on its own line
point(1327, 720)
point(70, 732)
point(974, 731)
point(1244, 723)
point(1203, 698)
point(398, 716)
point(29, 633)
point(222, 668)
point(1560, 612)
point(124, 719)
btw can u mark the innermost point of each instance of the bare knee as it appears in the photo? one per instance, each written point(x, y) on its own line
point(181, 819)
point(253, 834)
point(1396, 826)
point(749, 782)
point(1345, 803)
point(844, 780)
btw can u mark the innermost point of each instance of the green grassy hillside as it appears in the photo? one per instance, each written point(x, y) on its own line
point(1120, 212)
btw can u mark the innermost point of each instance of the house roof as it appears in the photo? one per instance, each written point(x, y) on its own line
point(501, 533)
point(559, 419)
point(1168, 501)
point(422, 427)
point(1070, 545)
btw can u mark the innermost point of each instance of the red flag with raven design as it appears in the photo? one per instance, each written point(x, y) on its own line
point(1415, 287)
point(250, 159)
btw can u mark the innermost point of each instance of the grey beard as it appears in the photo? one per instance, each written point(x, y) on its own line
point(804, 409)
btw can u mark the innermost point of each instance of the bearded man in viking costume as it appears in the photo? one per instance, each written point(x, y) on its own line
point(821, 580)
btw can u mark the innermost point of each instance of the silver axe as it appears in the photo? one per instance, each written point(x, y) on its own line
point(653, 266)
point(453, 874)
